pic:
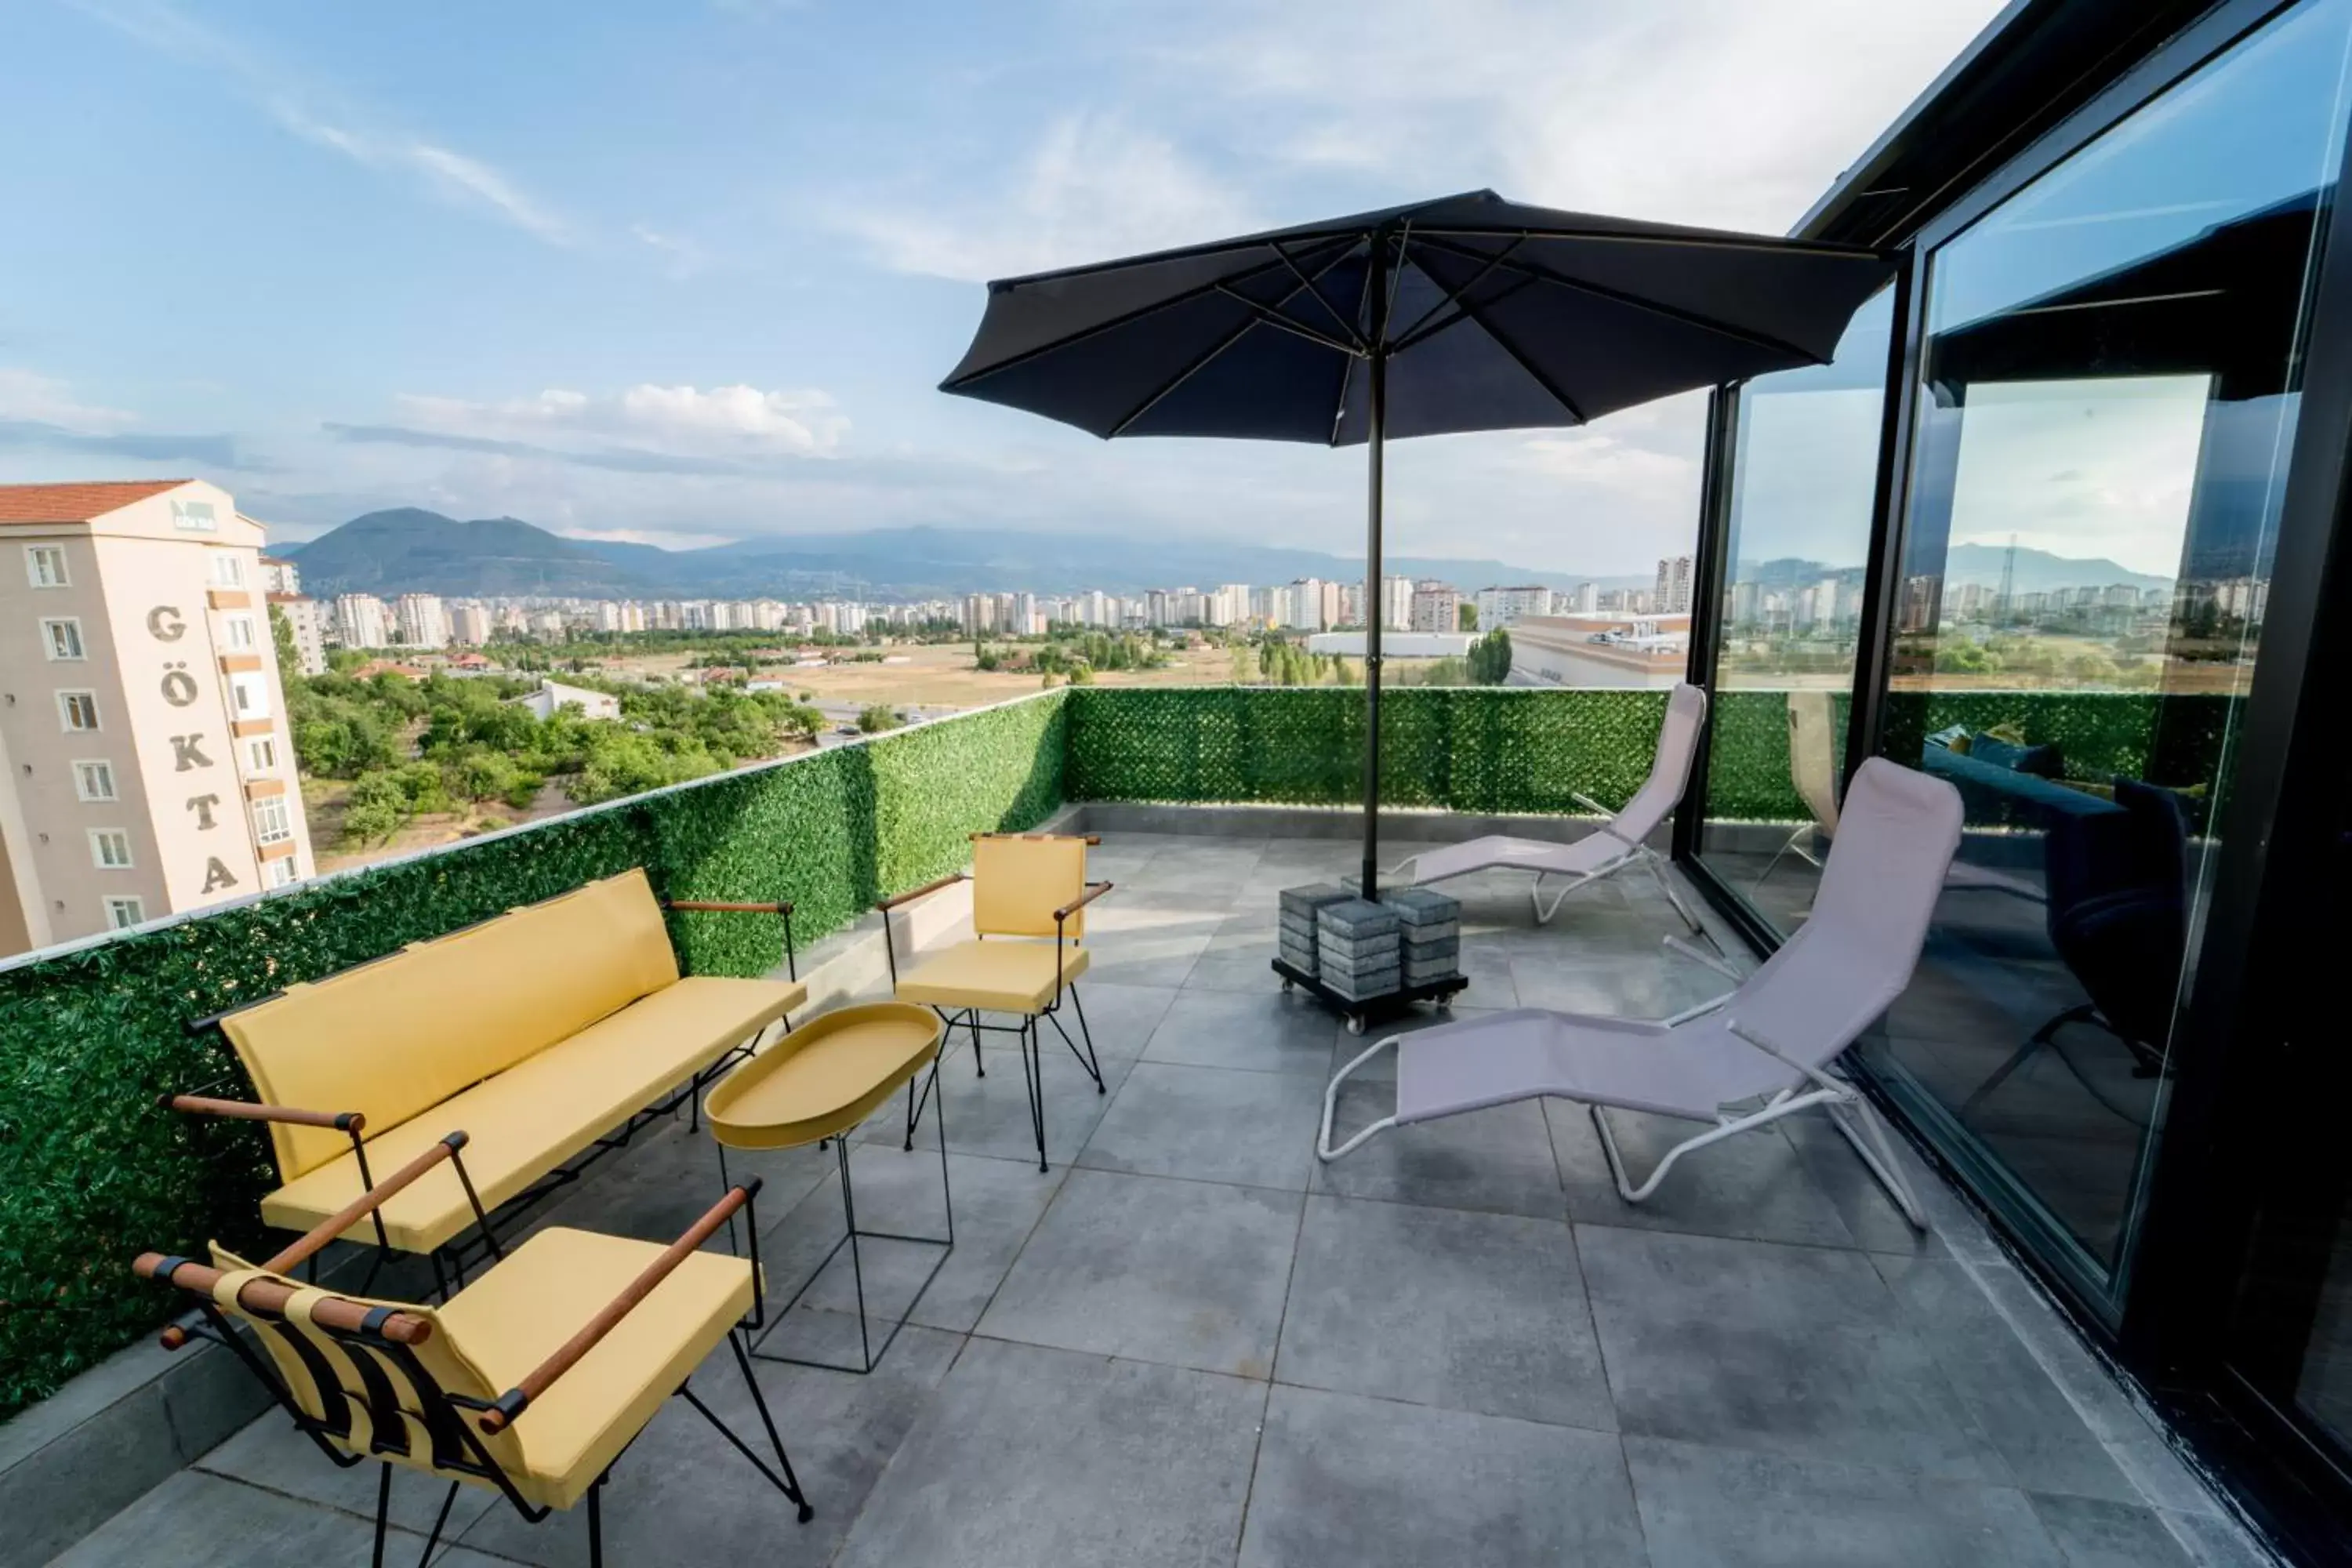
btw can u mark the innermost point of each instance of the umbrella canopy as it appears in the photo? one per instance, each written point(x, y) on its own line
point(1466, 314)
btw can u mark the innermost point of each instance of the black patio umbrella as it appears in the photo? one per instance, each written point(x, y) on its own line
point(1466, 313)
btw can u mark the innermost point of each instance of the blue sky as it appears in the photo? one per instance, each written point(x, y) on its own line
point(690, 272)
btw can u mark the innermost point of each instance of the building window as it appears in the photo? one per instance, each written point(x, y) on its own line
point(109, 848)
point(94, 781)
point(227, 570)
point(270, 825)
point(239, 629)
point(281, 872)
point(249, 695)
point(62, 639)
point(261, 754)
point(123, 913)
point(45, 565)
point(77, 710)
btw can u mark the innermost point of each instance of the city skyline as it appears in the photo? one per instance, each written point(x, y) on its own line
point(722, 313)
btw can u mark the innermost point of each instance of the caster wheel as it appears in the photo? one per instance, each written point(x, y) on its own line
point(1355, 1026)
point(1286, 987)
point(807, 1513)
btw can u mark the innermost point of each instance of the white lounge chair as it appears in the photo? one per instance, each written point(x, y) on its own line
point(1812, 769)
point(1616, 845)
point(1746, 1059)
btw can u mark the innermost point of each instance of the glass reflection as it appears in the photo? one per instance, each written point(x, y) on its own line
point(2110, 388)
point(1804, 464)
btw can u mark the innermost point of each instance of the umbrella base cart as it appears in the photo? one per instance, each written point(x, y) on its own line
point(1358, 1010)
point(1366, 961)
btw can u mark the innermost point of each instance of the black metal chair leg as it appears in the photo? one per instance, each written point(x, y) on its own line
point(596, 1523)
point(1033, 1069)
point(434, 1540)
point(1087, 1034)
point(791, 1485)
point(972, 1016)
point(382, 1510)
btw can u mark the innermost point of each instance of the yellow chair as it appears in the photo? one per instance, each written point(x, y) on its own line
point(1029, 893)
point(529, 1382)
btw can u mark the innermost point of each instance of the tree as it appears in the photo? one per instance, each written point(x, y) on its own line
point(1465, 616)
point(1490, 658)
point(1244, 664)
point(875, 720)
point(281, 633)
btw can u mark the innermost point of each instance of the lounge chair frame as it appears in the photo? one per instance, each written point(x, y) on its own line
point(457, 1449)
point(1849, 1110)
point(452, 1259)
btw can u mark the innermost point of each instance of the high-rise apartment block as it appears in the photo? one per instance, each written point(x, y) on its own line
point(144, 767)
point(1436, 607)
point(1396, 603)
point(469, 625)
point(362, 620)
point(306, 618)
point(1674, 594)
point(1501, 606)
point(421, 620)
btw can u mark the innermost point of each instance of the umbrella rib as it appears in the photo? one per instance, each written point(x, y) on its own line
point(1540, 376)
point(1185, 374)
point(1763, 243)
point(1275, 319)
point(1671, 313)
point(1421, 335)
point(1124, 318)
point(1421, 328)
point(1357, 345)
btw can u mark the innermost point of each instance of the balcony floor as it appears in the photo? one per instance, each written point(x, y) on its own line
point(1189, 1343)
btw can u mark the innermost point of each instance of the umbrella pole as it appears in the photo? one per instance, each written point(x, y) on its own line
point(1374, 609)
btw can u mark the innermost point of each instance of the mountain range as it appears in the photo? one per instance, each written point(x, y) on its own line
point(2037, 571)
point(408, 550)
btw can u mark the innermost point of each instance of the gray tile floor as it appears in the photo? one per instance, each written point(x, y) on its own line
point(1190, 1343)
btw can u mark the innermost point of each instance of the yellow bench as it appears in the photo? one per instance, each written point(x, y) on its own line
point(536, 1033)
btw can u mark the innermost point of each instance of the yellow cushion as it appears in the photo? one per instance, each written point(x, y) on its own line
point(509, 1320)
point(1002, 976)
point(392, 1037)
point(514, 1317)
point(1017, 883)
point(541, 1112)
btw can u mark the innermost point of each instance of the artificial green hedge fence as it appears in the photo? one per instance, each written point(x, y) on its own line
point(1511, 751)
point(91, 1173)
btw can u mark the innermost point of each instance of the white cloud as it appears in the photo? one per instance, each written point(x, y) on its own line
point(453, 176)
point(683, 419)
point(659, 539)
point(28, 395)
point(685, 257)
point(1093, 186)
point(1720, 111)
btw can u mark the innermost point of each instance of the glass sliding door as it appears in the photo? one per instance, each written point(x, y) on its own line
point(2109, 382)
point(1804, 462)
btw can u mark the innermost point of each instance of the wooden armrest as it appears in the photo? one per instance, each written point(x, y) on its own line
point(271, 1295)
point(1094, 890)
point(359, 1208)
point(536, 1382)
point(726, 908)
point(315, 1239)
point(245, 1111)
point(914, 893)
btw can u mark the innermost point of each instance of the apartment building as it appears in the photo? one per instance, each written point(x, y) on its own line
point(421, 620)
point(306, 618)
point(1674, 594)
point(362, 620)
point(1436, 607)
point(146, 765)
point(1501, 606)
point(469, 625)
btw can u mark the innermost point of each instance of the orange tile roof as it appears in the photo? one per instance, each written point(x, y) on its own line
point(76, 503)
